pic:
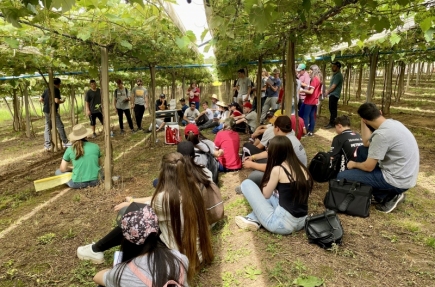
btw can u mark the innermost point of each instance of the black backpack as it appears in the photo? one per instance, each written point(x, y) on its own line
point(323, 168)
point(212, 164)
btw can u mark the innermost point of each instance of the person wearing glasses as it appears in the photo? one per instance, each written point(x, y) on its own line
point(139, 102)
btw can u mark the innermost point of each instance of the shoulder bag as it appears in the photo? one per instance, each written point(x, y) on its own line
point(324, 229)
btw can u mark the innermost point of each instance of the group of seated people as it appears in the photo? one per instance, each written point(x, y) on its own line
point(176, 236)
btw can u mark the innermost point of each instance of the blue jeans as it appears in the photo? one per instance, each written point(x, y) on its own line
point(218, 128)
point(184, 123)
point(60, 129)
point(268, 211)
point(77, 185)
point(224, 169)
point(382, 190)
point(310, 117)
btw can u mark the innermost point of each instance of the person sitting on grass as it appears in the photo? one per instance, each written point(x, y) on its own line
point(282, 127)
point(208, 114)
point(280, 203)
point(345, 143)
point(228, 141)
point(184, 107)
point(249, 117)
point(85, 159)
point(184, 227)
point(257, 135)
point(146, 260)
point(202, 144)
point(222, 115)
point(160, 126)
point(389, 160)
point(190, 115)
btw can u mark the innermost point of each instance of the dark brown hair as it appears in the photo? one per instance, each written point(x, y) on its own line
point(284, 124)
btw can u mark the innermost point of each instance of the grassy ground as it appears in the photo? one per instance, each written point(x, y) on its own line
point(394, 249)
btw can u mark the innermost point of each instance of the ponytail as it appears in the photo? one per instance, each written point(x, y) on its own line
point(78, 148)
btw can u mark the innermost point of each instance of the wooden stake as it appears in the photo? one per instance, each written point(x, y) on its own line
point(54, 146)
point(153, 100)
point(258, 93)
point(108, 166)
point(26, 107)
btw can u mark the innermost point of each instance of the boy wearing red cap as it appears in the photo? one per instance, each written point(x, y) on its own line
point(249, 116)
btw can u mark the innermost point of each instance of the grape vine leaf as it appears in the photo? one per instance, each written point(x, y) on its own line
point(309, 281)
point(66, 5)
point(394, 39)
point(426, 24)
point(126, 44)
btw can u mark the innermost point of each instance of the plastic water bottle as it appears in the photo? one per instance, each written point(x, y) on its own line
point(111, 134)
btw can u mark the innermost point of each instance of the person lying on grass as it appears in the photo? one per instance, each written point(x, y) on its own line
point(281, 205)
point(85, 158)
point(184, 227)
point(146, 260)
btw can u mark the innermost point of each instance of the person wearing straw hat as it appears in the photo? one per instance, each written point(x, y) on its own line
point(223, 113)
point(84, 157)
point(214, 100)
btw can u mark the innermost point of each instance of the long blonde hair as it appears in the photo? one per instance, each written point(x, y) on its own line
point(77, 146)
point(316, 72)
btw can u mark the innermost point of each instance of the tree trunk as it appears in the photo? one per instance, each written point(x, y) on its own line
point(73, 108)
point(26, 107)
point(408, 77)
point(258, 93)
point(400, 89)
point(54, 141)
point(358, 91)
point(290, 89)
point(153, 100)
point(16, 106)
point(417, 78)
point(319, 106)
point(372, 74)
point(183, 87)
point(386, 103)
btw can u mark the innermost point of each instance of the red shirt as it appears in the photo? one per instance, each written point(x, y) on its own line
point(229, 141)
point(301, 126)
point(195, 98)
point(236, 113)
point(281, 93)
point(314, 97)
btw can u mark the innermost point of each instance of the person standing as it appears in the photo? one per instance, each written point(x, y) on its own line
point(312, 97)
point(334, 92)
point(273, 84)
point(194, 93)
point(140, 101)
point(45, 98)
point(93, 106)
point(305, 80)
point(122, 97)
point(243, 87)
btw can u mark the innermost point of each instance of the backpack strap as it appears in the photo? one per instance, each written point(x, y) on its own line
point(133, 267)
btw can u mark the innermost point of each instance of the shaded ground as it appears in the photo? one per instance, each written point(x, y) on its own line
point(394, 249)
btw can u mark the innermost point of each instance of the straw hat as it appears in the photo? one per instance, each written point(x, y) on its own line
point(79, 132)
point(214, 96)
point(222, 104)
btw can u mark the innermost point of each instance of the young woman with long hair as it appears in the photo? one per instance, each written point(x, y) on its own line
point(281, 205)
point(84, 157)
point(180, 208)
point(312, 98)
point(146, 260)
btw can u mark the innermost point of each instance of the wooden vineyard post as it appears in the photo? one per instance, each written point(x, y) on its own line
point(9, 108)
point(54, 141)
point(26, 107)
point(72, 108)
point(290, 87)
point(153, 100)
point(386, 101)
point(108, 162)
point(358, 91)
point(173, 88)
point(258, 84)
point(16, 106)
point(183, 86)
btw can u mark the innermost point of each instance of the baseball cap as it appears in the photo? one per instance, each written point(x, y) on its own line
point(337, 63)
point(301, 67)
point(234, 104)
point(191, 128)
point(247, 105)
point(162, 95)
point(275, 115)
point(137, 221)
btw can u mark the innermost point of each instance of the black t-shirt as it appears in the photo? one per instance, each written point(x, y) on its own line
point(46, 97)
point(344, 145)
point(94, 100)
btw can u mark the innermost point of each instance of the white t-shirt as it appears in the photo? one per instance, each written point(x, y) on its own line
point(209, 113)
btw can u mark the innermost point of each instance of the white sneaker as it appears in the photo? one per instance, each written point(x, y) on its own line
point(86, 253)
point(247, 223)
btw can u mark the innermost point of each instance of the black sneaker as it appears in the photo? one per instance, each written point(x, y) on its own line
point(247, 223)
point(122, 132)
point(328, 126)
point(389, 206)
